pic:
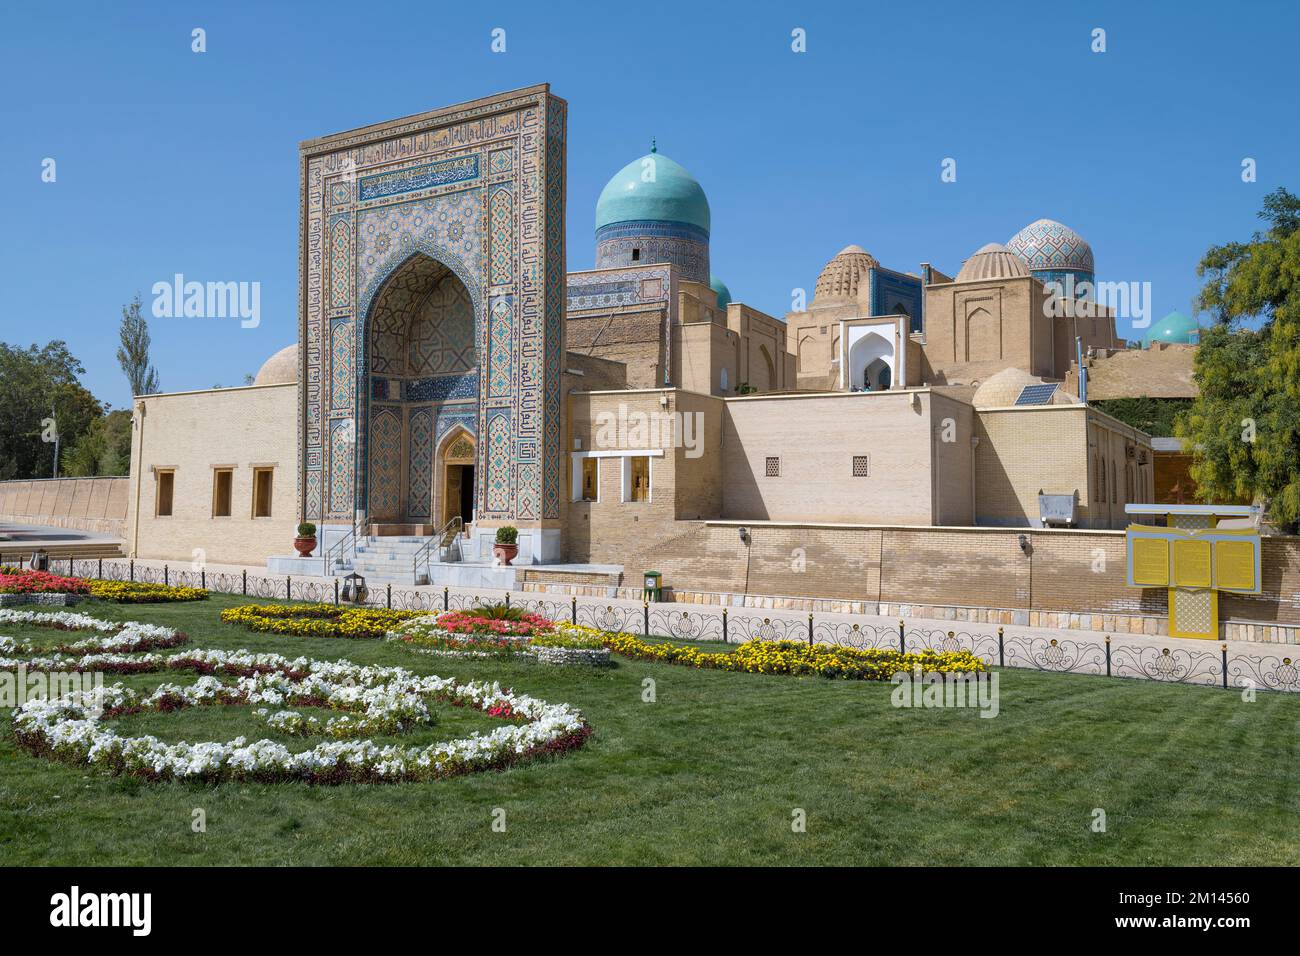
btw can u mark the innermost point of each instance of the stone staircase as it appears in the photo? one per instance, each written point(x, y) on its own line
point(388, 559)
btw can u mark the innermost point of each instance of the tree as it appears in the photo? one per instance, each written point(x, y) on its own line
point(43, 397)
point(104, 448)
point(133, 355)
point(1244, 428)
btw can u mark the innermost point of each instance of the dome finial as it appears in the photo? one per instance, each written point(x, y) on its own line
point(654, 146)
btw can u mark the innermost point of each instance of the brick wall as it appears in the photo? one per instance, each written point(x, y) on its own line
point(194, 432)
point(1065, 570)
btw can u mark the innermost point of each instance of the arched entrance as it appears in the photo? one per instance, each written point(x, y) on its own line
point(871, 363)
point(421, 364)
point(455, 466)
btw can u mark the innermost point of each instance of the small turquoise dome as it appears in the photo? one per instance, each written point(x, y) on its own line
point(720, 287)
point(1174, 327)
point(653, 188)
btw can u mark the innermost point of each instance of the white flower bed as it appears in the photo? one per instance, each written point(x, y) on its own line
point(93, 653)
point(370, 699)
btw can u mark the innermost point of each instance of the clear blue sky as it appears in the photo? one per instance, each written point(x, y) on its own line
point(171, 161)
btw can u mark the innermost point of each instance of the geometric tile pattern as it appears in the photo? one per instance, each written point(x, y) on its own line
point(1046, 244)
point(386, 464)
point(500, 323)
point(420, 457)
point(500, 228)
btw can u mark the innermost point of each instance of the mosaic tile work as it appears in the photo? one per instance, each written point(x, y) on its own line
point(500, 322)
point(386, 464)
point(501, 229)
point(420, 458)
point(478, 189)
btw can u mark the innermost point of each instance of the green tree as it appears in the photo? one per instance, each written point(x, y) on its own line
point(104, 448)
point(1245, 426)
point(42, 397)
point(133, 355)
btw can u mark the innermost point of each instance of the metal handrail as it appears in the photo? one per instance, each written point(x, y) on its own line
point(445, 536)
point(342, 547)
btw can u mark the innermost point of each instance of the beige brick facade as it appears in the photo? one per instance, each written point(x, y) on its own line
point(191, 435)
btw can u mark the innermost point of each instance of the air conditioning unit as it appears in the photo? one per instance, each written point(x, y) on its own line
point(1056, 511)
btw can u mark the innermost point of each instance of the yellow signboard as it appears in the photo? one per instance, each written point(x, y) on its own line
point(1151, 562)
point(1234, 564)
point(1192, 564)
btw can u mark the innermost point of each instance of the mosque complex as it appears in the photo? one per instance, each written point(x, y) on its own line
point(451, 377)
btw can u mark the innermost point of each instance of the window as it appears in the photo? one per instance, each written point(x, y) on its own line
point(164, 481)
point(636, 478)
point(772, 467)
point(723, 379)
point(222, 479)
point(590, 479)
point(262, 492)
point(636, 254)
point(861, 466)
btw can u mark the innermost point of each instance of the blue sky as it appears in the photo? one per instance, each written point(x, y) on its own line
point(171, 161)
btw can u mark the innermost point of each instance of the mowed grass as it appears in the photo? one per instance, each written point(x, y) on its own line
point(712, 772)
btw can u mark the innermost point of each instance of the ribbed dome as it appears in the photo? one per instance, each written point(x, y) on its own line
point(845, 275)
point(1174, 327)
point(993, 261)
point(654, 189)
point(723, 293)
point(1048, 245)
point(280, 369)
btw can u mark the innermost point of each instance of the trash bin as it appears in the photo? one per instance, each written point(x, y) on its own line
point(654, 587)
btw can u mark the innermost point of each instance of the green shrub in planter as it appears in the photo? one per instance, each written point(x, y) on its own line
point(507, 535)
point(306, 530)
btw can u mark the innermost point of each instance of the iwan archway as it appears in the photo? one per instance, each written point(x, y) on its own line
point(432, 258)
point(422, 367)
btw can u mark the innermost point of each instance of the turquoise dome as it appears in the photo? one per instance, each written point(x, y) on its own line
point(720, 287)
point(1174, 327)
point(672, 195)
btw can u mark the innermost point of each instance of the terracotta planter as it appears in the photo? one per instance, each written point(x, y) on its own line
point(505, 553)
point(304, 546)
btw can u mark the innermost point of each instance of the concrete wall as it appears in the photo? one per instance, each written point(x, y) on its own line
point(194, 432)
point(95, 505)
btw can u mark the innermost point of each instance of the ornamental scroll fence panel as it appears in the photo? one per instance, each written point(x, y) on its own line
point(1150, 659)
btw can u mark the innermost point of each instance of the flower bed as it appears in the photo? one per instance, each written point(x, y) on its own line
point(14, 581)
point(42, 584)
point(96, 653)
point(138, 592)
point(794, 657)
point(369, 699)
point(317, 620)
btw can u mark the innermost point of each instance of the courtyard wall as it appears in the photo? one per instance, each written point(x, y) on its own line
point(95, 505)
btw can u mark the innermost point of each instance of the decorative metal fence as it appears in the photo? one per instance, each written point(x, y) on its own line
point(1170, 663)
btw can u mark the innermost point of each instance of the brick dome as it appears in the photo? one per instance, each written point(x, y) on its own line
point(845, 276)
point(280, 369)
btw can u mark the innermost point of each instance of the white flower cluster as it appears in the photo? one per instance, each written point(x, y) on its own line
point(381, 698)
point(93, 653)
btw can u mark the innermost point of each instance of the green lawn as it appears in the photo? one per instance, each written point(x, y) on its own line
point(710, 774)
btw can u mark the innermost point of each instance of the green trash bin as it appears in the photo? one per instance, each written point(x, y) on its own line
point(654, 586)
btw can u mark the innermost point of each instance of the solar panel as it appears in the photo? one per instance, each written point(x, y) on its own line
point(1037, 394)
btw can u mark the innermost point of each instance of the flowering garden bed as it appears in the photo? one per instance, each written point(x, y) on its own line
point(463, 633)
point(369, 700)
point(43, 587)
point(317, 620)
